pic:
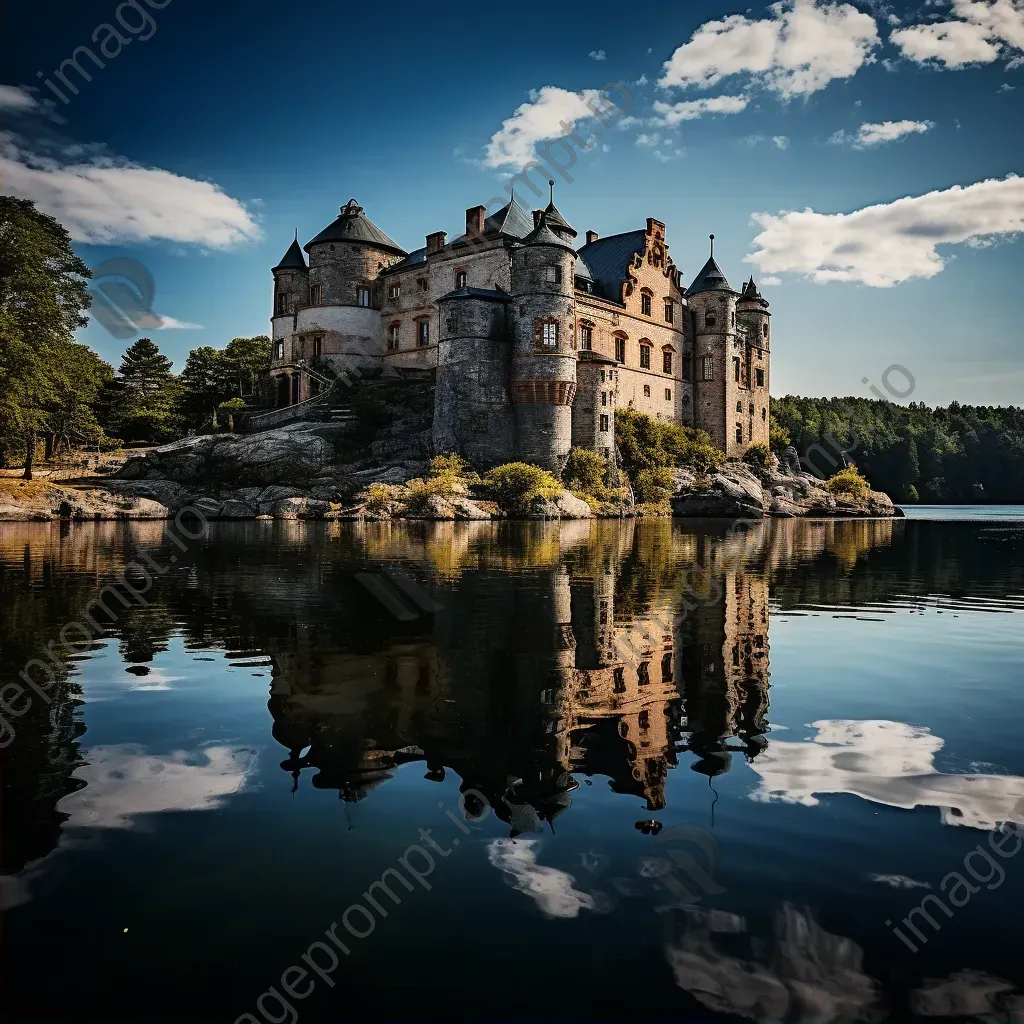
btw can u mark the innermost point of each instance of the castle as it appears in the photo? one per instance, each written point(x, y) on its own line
point(532, 342)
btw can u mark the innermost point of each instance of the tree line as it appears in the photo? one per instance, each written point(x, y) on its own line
point(960, 453)
point(57, 395)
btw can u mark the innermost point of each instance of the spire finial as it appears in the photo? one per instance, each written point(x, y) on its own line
point(296, 234)
point(712, 237)
point(551, 189)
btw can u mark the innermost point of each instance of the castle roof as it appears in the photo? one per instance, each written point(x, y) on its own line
point(293, 258)
point(543, 235)
point(353, 225)
point(751, 294)
point(711, 279)
point(607, 259)
point(488, 294)
point(416, 256)
point(511, 220)
point(557, 222)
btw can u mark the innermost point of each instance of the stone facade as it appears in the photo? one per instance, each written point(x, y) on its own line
point(534, 341)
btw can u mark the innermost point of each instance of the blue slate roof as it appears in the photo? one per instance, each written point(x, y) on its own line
point(608, 258)
point(352, 225)
point(711, 279)
point(293, 258)
point(416, 256)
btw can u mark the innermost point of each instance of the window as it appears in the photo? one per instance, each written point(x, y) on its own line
point(394, 290)
point(668, 394)
point(666, 362)
point(423, 332)
point(586, 337)
point(764, 330)
point(764, 414)
point(647, 391)
point(736, 367)
point(739, 407)
point(710, 320)
point(461, 279)
point(318, 346)
point(645, 303)
point(316, 294)
point(604, 397)
point(620, 350)
point(450, 323)
point(739, 433)
point(760, 378)
point(282, 303)
point(363, 296)
point(707, 368)
point(760, 353)
point(669, 311)
point(604, 421)
point(733, 320)
point(553, 275)
point(549, 335)
point(645, 356)
point(393, 332)
point(279, 350)
point(421, 283)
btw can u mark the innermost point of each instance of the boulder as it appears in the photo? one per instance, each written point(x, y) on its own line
point(733, 492)
point(466, 508)
point(300, 508)
point(233, 509)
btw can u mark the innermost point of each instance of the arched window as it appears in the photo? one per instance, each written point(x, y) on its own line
point(461, 278)
point(764, 330)
point(620, 347)
point(586, 335)
point(423, 331)
point(645, 353)
point(666, 358)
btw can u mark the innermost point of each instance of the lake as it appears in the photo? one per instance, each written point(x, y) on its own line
point(280, 771)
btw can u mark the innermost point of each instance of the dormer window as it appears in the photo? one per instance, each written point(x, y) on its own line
point(645, 302)
point(363, 297)
point(553, 275)
point(394, 290)
point(461, 279)
point(316, 294)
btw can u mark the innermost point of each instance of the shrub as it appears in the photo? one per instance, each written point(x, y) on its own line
point(912, 495)
point(654, 486)
point(514, 486)
point(849, 481)
point(590, 499)
point(647, 443)
point(778, 437)
point(758, 454)
point(377, 498)
point(585, 471)
point(450, 464)
point(420, 491)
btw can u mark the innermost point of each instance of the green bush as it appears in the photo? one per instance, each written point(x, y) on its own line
point(778, 437)
point(450, 465)
point(377, 498)
point(585, 471)
point(850, 482)
point(647, 443)
point(420, 491)
point(514, 486)
point(655, 485)
point(758, 454)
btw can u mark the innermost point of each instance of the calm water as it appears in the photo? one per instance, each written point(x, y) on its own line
point(619, 770)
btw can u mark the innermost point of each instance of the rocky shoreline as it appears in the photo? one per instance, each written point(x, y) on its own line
point(296, 473)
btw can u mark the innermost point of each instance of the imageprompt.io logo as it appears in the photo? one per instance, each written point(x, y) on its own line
point(122, 298)
point(686, 866)
point(399, 593)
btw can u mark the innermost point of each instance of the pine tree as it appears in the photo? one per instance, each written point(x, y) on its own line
point(145, 403)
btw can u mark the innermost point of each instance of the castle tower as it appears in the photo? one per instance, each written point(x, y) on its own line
point(291, 292)
point(752, 312)
point(472, 415)
point(721, 394)
point(542, 322)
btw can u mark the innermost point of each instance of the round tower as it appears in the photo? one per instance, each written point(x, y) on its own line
point(291, 281)
point(718, 360)
point(542, 321)
point(752, 311)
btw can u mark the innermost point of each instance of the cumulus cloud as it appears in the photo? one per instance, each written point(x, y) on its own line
point(780, 141)
point(979, 32)
point(642, 80)
point(690, 110)
point(102, 199)
point(890, 243)
point(597, 55)
point(648, 140)
point(798, 50)
point(550, 113)
point(1006, 87)
point(14, 99)
point(168, 323)
point(770, 282)
point(874, 134)
point(1016, 62)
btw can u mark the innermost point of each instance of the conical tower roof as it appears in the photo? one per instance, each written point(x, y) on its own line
point(751, 294)
point(293, 258)
point(353, 225)
point(543, 235)
point(555, 220)
point(711, 278)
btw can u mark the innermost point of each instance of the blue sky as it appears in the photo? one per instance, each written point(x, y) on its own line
point(199, 149)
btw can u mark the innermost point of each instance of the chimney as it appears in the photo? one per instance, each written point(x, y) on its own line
point(475, 221)
point(435, 241)
point(591, 237)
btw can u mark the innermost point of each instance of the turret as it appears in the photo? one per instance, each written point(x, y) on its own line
point(291, 281)
point(752, 311)
point(718, 361)
point(542, 321)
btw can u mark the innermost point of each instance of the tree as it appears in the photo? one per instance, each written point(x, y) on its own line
point(43, 298)
point(145, 400)
point(212, 377)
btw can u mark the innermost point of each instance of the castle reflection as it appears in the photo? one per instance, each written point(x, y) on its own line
point(604, 649)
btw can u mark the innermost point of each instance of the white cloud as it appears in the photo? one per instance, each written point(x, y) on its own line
point(889, 243)
point(625, 123)
point(103, 199)
point(1012, 65)
point(770, 282)
point(780, 141)
point(690, 110)
point(597, 55)
point(900, 882)
point(797, 51)
point(550, 113)
point(979, 32)
point(642, 80)
point(168, 323)
point(552, 890)
point(1005, 87)
point(665, 157)
point(874, 134)
point(643, 139)
point(888, 763)
point(17, 100)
